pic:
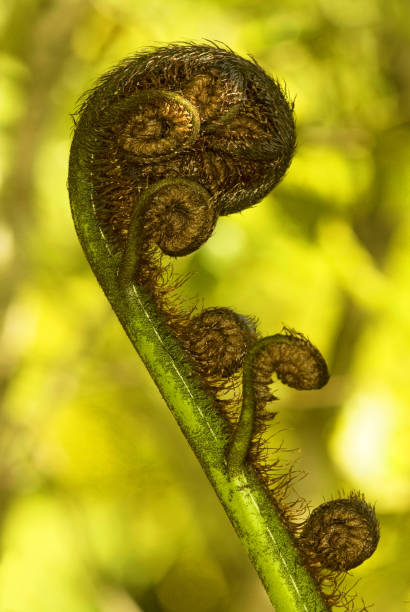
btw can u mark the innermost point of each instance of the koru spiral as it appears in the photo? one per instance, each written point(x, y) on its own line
point(170, 139)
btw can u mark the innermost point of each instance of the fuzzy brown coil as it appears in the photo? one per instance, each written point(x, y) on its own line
point(179, 217)
point(296, 362)
point(218, 339)
point(340, 534)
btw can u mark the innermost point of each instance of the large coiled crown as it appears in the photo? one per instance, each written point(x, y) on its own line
point(198, 116)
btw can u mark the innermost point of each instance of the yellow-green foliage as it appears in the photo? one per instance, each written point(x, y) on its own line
point(102, 505)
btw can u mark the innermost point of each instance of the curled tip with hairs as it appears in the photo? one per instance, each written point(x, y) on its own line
point(340, 534)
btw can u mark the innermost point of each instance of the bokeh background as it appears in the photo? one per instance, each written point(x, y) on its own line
point(103, 507)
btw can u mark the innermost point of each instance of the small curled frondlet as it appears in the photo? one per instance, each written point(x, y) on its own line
point(159, 123)
point(179, 217)
point(295, 361)
point(340, 534)
point(218, 339)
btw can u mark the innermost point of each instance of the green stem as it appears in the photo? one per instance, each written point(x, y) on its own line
point(242, 438)
point(257, 523)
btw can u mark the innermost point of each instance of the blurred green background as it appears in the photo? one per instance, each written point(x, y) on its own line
point(103, 507)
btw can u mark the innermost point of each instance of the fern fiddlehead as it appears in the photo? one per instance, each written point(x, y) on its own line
point(164, 144)
point(297, 363)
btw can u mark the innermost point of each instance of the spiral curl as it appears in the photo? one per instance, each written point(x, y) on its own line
point(295, 361)
point(340, 534)
point(297, 364)
point(179, 217)
point(218, 340)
